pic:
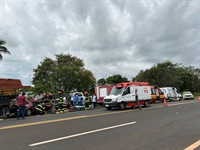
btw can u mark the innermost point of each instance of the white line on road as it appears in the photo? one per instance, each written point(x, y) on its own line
point(84, 133)
point(193, 146)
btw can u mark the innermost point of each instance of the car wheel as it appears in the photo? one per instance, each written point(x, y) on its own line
point(28, 112)
point(122, 106)
point(146, 103)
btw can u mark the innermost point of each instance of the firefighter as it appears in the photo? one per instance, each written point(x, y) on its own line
point(44, 96)
point(87, 100)
point(40, 108)
point(61, 104)
point(50, 96)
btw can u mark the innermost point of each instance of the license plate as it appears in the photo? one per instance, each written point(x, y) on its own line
point(107, 105)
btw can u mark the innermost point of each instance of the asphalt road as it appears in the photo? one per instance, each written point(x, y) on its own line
point(174, 127)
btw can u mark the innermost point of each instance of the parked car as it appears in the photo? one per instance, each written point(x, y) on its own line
point(171, 93)
point(13, 109)
point(188, 95)
point(79, 94)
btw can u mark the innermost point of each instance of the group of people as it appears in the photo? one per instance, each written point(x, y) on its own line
point(87, 100)
point(63, 102)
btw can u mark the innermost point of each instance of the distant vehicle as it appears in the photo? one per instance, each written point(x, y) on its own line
point(122, 95)
point(101, 92)
point(171, 93)
point(188, 95)
point(79, 94)
point(156, 94)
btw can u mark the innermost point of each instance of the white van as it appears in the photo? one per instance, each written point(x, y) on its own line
point(122, 95)
point(171, 93)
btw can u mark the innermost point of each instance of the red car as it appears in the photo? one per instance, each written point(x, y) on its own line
point(30, 108)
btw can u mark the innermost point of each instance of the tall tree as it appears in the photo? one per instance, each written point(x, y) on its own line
point(171, 74)
point(3, 49)
point(66, 73)
point(117, 78)
point(101, 82)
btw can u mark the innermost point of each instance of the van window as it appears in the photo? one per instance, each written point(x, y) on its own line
point(160, 91)
point(177, 92)
point(116, 91)
point(164, 91)
point(127, 91)
point(152, 91)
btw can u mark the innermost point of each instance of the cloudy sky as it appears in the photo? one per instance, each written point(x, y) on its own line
point(110, 36)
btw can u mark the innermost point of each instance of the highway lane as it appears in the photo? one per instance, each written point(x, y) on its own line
point(173, 127)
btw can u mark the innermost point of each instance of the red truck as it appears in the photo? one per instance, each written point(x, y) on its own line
point(101, 92)
point(9, 90)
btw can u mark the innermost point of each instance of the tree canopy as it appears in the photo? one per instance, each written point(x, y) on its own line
point(65, 73)
point(171, 74)
point(116, 78)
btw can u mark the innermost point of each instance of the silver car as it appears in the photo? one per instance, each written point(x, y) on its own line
point(188, 95)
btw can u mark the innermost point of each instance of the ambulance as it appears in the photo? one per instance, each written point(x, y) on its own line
point(122, 95)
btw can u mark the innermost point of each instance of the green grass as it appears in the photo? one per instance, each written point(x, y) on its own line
point(196, 94)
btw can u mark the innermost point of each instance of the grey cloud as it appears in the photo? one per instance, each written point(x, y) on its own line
point(113, 37)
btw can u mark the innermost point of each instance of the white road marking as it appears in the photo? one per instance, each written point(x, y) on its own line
point(84, 133)
point(193, 146)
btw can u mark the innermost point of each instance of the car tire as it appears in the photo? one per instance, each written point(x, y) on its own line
point(122, 106)
point(146, 103)
point(28, 112)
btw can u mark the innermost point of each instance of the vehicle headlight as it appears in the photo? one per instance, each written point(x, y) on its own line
point(115, 100)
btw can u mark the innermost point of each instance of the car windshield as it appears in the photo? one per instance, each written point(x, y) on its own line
point(116, 91)
point(79, 94)
point(186, 92)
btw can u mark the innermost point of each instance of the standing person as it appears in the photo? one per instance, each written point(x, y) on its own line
point(136, 98)
point(87, 100)
point(80, 100)
point(94, 100)
point(61, 103)
point(21, 101)
point(68, 100)
point(75, 99)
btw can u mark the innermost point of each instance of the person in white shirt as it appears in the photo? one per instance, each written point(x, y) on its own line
point(94, 100)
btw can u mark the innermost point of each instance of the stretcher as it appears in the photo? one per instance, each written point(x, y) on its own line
point(78, 107)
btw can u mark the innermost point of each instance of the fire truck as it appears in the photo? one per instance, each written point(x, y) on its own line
point(101, 92)
point(123, 95)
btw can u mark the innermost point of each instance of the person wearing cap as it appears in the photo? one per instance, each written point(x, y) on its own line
point(87, 100)
point(61, 104)
point(21, 101)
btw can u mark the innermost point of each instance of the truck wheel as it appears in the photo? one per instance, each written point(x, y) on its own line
point(108, 108)
point(122, 106)
point(146, 103)
point(28, 112)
